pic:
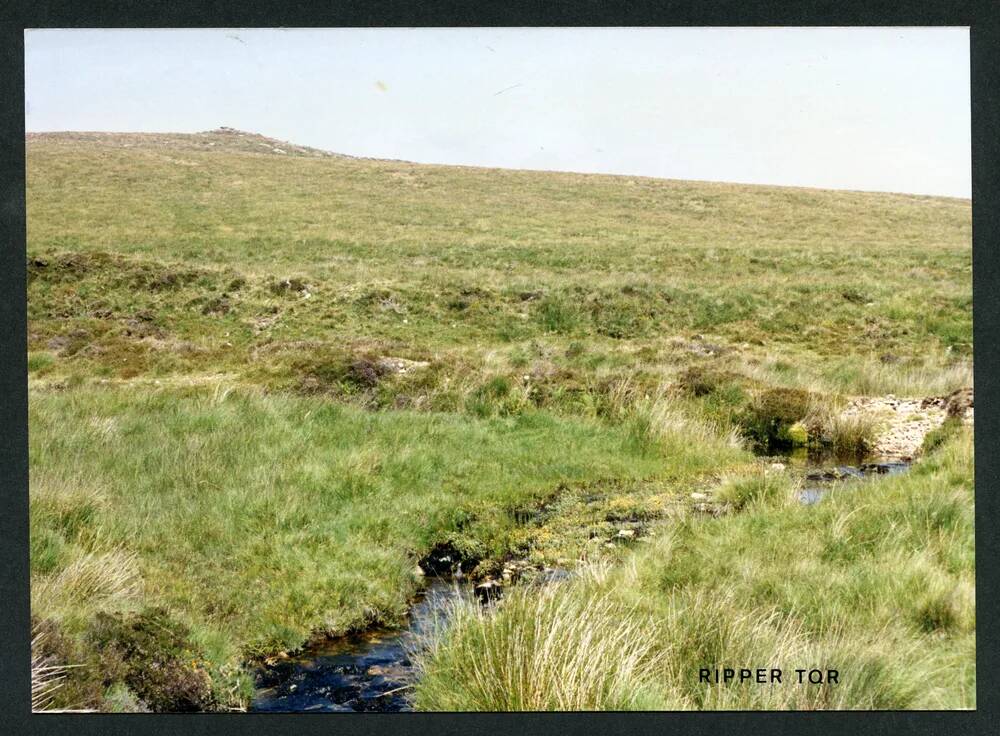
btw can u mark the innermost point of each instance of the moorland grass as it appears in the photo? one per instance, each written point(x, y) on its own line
point(160, 255)
point(219, 450)
point(260, 519)
point(876, 581)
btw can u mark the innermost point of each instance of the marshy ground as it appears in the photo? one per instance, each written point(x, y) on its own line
point(265, 382)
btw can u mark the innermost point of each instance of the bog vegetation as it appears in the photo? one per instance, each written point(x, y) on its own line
point(264, 382)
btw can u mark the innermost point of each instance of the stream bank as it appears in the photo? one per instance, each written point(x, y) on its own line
point(374, 670)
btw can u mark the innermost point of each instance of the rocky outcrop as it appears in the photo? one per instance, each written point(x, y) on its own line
point(905, 422)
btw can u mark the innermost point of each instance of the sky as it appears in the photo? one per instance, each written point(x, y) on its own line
point(877, 109)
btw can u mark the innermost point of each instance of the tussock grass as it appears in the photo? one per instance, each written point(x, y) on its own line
point(867, 378)
point(755, 488)
point(46, 680)
point(541, 651)
point(89, 581)
point(656, 418)
point(876, 582)
point(844, 435)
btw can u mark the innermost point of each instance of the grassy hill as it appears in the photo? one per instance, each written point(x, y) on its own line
point(265, 379)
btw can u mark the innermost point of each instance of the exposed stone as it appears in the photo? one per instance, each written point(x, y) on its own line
point(400, 366)
point(907, 421)
point(489, 590)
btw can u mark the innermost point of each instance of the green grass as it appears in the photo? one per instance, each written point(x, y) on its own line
point(473, 267)
point(262, 518)
point(876, 581)
point(226, 445)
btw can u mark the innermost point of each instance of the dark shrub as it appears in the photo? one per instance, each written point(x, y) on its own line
point(218, 305)
point(339, 372)
point(769, 416)
point(81, 687)
point(699, 381)
point(854, 296)
point(287, 286)
point(365, 373)
point(154, 657)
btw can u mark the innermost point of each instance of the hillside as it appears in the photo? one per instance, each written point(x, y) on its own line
point(266, 381)
point(432, 258)
point(221, 139)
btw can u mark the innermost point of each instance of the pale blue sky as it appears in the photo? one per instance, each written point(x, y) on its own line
point(883, 109)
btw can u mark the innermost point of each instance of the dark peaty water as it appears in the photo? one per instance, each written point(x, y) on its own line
point(819, 481)
point(370, 671)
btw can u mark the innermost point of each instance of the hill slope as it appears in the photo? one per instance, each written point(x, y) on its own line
point(434, 257)
point(266, 380)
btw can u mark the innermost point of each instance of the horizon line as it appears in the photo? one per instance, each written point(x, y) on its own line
point(359, 157)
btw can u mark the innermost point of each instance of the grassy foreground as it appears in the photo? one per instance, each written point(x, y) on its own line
point(876, 582)
point(264, 381)
point(259, 519)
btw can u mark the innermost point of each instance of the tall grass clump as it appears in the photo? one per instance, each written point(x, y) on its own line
point(933, 377)
point(658, 422)
point(92, 579)
point(541, 649)
point(755, 488)
point(844, 435)
point(46, 679)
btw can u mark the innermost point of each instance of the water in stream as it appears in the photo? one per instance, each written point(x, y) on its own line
point(369, 671)
point(822, 474)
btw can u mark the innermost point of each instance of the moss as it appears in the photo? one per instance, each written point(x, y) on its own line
point(797, 434)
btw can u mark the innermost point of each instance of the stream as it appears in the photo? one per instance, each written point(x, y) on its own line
point(821, 474)
point(363, 672)
point(372, 671)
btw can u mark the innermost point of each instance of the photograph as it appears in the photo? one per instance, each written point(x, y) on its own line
point(499, 369)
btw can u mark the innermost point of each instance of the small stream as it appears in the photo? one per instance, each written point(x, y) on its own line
point(364, 672)
point(818, 484)
point(823, 473)
point(372, 671)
